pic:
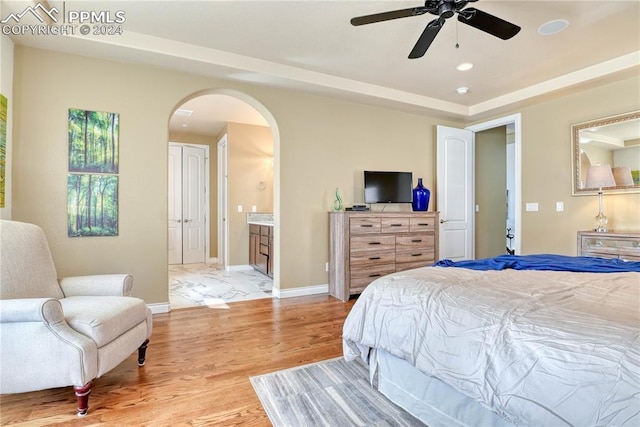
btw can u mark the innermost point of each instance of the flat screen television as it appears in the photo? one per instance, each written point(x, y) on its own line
point(387, 187)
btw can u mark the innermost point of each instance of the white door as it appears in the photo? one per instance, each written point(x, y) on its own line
point(193, 205)
point(187, 204)
point(455, 169)
point(175, 205)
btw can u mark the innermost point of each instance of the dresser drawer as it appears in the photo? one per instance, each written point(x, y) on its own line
point(394, 225)
point(403, 266)
point(371, 250)
point(368, 258)
point(364, 225)
point(426, 254)
point(361, 277)
point(417, 225)
point(365, 244)
point(415, 241)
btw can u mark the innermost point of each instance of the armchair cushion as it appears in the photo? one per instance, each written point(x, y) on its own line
point(105, 318)
point(97, 285)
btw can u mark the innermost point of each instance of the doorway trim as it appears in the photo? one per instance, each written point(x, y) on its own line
point(223, 209)
point(516, 120)
point(275, 132)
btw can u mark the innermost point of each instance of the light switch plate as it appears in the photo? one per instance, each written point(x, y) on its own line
point(239, 208)
point(532, 207)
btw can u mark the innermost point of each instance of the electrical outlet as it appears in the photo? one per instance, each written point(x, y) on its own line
point(531, 207)
point(559, 206)
point(239, 208)
point(326, 266)
point(254, 208)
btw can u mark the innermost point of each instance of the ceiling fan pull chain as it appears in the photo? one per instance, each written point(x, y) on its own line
point(457, 44)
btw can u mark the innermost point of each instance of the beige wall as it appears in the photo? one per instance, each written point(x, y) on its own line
point(323, 144)
point(250, 183)
point(546, 172)
point(491, 192)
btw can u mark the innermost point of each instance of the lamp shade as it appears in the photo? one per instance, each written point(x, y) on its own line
point(622, 175)
point(600, 176)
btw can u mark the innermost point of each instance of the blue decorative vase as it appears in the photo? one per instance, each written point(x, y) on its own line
point(421, 196)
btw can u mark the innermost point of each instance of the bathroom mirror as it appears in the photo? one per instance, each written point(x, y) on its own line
point(613, 141)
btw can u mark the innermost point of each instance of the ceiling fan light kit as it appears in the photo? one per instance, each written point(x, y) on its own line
point(444, 9)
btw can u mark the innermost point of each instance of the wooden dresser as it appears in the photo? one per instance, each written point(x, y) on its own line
point(366, 245)
point(625, 245)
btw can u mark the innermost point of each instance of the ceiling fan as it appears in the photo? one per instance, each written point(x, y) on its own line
point(444, 9)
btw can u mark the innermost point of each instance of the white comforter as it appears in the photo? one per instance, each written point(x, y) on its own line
point(538, 347)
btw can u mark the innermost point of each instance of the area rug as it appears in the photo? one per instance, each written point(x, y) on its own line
point(329, 393)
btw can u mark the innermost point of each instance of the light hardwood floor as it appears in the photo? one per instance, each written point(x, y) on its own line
point(198, 366)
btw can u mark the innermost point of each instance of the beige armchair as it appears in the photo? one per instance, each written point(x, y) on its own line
point(56, 334)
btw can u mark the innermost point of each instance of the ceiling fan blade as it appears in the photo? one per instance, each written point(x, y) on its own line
point(426, 38)
point(488, 23)
point(387, 16)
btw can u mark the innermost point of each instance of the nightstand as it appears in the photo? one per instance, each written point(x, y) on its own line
point(624, 244)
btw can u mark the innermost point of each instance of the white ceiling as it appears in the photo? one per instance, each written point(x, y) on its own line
point(309, 45)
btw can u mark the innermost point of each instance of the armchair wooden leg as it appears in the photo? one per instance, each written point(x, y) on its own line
point(82, 394)
point(142, 353)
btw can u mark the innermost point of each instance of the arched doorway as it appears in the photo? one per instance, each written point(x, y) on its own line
point(215, 120)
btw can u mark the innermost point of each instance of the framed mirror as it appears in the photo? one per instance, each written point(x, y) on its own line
point(613, 141)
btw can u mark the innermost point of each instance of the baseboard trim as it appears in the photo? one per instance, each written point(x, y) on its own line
point(301, 292)
point(159, 307)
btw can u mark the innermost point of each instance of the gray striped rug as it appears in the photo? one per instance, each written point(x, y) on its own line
point(330, 393)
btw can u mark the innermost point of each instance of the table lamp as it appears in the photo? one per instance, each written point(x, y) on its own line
point(600, 176)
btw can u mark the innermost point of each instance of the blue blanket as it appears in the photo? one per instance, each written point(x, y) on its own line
point(546, 262)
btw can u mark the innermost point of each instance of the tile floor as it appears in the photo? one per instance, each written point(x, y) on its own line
point(193, 285)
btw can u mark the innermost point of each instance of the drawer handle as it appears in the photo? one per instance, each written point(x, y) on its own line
point(416, 254)
point(395, 225)
point(423, 224)
point(374, 275)
point(374, 257)
point(416, 241)
point(366, 225)
point(375, 243)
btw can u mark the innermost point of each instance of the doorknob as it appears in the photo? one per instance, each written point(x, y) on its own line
point(186, 220)
point(442, 221)
point(178, 221)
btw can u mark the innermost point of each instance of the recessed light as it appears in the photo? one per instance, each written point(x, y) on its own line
point(183, 112)
point(462, 90)
point(553, 27)
point(465, 66)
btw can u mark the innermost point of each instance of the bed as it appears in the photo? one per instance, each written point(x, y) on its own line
point(541, 340)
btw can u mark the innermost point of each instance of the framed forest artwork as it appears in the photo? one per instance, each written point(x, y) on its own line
point(92, 182)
